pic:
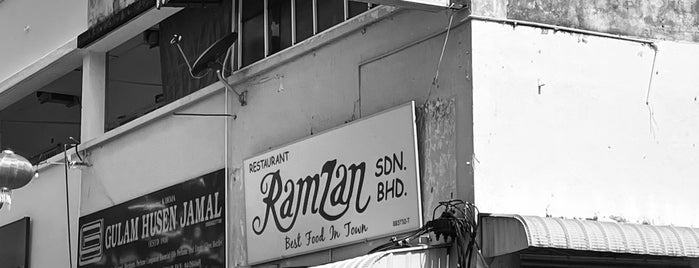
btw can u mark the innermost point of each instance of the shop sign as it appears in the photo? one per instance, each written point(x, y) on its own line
point(176, 227)
point(352, 183)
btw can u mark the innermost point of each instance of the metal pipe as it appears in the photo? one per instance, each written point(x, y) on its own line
point(315, 17)
point(558, 28)
point(226, 170)
point(345, 7)
point(70, 244)
point(266, 28)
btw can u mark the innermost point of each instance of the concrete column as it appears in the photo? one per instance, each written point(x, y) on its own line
point(93, 95)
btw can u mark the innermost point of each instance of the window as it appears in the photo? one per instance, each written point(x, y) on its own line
point(304, 19)
point(148, 72)
point(330, 13)
point(252, 24)
point(355, 8)
point(132, 92)
point(266, 27)
point(279, 25)
point(38, 125)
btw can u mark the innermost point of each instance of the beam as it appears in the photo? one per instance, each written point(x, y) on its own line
point(93, 95)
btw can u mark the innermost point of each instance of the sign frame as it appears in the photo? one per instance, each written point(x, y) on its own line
point(196, 206)
point(414, 225)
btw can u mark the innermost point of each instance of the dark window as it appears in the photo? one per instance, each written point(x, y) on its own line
point(287, 22)
point(199, 28)
point(356, 8)
point(253, 35)
point(330, 13)
point(279, 12)
point(304, 19)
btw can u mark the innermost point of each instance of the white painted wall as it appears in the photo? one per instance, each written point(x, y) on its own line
point(160, 154)
point(31, 29)
point(43, 200)
point(586, 145)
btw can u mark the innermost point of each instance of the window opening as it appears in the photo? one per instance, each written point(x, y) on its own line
point(268, 26)
point(147, 71)
point(330, 13)
point(134, 86)
point(38, 125)
point(304, 19)
point(252, 32)
point(355, 8)
point(279, 25)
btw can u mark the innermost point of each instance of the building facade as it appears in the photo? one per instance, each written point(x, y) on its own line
point(570, 126)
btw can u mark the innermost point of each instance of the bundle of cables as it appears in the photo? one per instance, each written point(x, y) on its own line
point(457, 223)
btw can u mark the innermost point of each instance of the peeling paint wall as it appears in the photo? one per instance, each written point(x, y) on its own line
point(436, 123)
point(658, 19)
point(562, 127)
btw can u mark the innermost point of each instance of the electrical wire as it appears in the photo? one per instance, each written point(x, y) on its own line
point(78, 153)
point(441, 56)
point(75, 146)
point(457, 222)
point(651, 119)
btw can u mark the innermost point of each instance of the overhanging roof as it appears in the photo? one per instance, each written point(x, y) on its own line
point(504, 234)
point(122, 26)
point(40, 73)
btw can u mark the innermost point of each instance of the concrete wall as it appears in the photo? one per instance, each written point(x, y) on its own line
point(162, 153)
point(30, 32)
point(659, 19)
point(44, 201)
point(562, 128)
point(376, 67)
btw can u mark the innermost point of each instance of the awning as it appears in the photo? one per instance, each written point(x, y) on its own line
point(504, 234)
point(418, 257)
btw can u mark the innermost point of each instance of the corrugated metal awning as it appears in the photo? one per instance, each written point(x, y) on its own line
point(417, 257)
point(503, 234)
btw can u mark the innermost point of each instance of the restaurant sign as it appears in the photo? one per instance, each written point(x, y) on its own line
point(352, 183)
point(182, 226)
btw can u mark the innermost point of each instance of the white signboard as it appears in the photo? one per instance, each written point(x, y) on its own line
point(345, 185)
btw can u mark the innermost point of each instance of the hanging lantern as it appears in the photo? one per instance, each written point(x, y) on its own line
point(15, 172)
